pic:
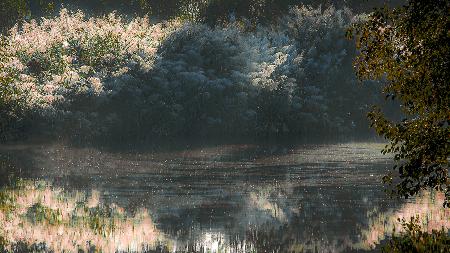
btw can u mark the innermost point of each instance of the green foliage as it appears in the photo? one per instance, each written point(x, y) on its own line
point(102, 218)
point(209, 11)
point(140, 7)
point(12, 114)
point(7, 197)
point(77, 214)
point(98, 49)
point(16, 11)
point(413, 239)
point(10, 12)
point(6, 202)
point(3, 244)
point(41, 213)
point(256, 11)
point(408, 48)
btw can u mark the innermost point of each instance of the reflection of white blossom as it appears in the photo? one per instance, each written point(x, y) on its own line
point(68, 222)
point(260, 202)
point(428, 206)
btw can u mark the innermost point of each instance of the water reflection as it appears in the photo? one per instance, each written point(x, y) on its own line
point(428, 206)
point(243, 198)
point(36, 213)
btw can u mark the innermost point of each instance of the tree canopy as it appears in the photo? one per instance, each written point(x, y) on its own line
point(408, 48)
point(209, 11)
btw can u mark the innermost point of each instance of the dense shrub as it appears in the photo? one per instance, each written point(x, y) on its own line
point(56, 70)
point(291, 78)
point(106, 77)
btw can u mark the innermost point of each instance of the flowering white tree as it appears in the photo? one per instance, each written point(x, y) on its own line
point(107, 76)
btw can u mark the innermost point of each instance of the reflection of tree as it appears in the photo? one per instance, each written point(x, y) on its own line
point(229, 199)
point(297, 235)
point(428, 206)
point(35, 213)
point(297, 220)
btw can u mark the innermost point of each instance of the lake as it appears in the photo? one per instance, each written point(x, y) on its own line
point(210, 198)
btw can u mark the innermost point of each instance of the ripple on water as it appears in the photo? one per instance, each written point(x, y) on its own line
point(232, 198)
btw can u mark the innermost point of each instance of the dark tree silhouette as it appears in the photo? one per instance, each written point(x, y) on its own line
point(409, 48)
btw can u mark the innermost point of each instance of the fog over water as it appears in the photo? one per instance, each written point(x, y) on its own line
point(233, 198)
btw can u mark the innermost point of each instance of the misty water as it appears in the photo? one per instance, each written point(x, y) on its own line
point(213, 198)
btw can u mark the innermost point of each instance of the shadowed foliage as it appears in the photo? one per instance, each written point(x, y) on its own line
point(408, 49)
point(106, 77)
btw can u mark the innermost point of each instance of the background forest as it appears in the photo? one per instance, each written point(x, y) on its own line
point(194, 69)
point(209, 11)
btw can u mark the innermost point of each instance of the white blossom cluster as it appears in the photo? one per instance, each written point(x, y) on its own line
point(68, 55)
point(107, 75)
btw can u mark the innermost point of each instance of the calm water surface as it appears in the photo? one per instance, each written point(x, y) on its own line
point(226, 198)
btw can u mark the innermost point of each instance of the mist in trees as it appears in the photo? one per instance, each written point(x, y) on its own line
point(100, 77)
